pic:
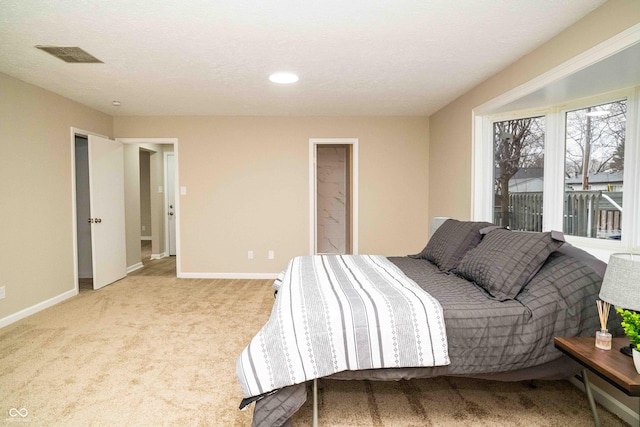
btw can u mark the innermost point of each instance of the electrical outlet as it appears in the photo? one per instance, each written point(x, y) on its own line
point(2, 292)
point(144, 228)
point(272, 255)
point(250, 255)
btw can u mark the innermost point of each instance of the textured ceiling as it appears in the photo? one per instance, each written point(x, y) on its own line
point(197, 57)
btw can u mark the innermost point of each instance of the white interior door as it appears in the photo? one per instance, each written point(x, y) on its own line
point(171, 203)
point(106, 182)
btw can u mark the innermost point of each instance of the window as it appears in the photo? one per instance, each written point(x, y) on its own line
point(594, 170)
point(518, 153)
point(563, 167)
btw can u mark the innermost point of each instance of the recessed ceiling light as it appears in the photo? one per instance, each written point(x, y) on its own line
point(283, 78)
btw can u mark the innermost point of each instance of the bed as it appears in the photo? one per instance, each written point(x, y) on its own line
point(488, 303)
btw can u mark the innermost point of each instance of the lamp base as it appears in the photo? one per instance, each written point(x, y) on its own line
point(627, 350)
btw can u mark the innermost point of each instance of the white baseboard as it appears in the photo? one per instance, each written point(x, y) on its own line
point(158, 256)
point(134, 267)
point(248, 276)
point(627, 414)
point(36, 308)
point(145, 238)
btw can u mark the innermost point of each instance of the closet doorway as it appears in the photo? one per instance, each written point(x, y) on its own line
point(333, 189)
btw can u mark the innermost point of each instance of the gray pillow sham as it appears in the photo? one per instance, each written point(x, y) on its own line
point(451, 241)
point(505, 261)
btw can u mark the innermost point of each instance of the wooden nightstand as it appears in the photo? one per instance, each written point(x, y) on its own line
point(613, 366)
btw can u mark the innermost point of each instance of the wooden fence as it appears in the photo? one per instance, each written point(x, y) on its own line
point(586, 213)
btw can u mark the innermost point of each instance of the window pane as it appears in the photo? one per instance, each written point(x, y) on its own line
point(594, 166)
point(518, 153)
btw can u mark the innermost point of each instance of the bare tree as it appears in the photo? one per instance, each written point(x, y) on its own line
point(595, 143)
point(517, 144)
point(617, 162)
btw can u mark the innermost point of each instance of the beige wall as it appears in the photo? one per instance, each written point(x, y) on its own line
point(247, 181)
point(36, 254)
point(451, 127)
point(132, 203)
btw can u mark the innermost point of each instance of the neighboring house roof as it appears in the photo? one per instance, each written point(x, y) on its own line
point(524, 173)
point(525, 185)
point(529, 173)
point(599, 178)
point(528, 180)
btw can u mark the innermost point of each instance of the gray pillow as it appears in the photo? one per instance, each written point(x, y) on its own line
point(505, 261)
point(451, 241)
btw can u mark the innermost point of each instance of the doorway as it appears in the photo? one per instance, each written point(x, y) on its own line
point(165, 240)
point(333, 195)
point(83, 210)
point(86, 252)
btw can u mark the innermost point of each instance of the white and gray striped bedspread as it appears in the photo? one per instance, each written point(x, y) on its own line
point(342, 312)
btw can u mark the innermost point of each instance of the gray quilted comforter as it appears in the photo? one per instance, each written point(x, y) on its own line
point(489, 338)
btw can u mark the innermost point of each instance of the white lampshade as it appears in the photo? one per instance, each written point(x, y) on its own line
point(436, 222)
point(621, 283)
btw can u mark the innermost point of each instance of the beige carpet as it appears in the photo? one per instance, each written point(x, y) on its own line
point(452, 402)
point(156, 350)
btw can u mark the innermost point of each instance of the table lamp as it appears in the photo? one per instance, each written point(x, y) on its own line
point(621, 284)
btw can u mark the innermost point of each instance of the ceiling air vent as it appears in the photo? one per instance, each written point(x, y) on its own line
point(72, 54)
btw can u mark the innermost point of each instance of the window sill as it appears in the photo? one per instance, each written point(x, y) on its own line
point(599, 248)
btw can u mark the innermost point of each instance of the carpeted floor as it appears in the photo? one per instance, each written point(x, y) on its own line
point(452, 402)
point(153, 350)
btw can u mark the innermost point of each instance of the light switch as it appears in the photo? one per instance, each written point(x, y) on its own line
point(160, 189)
point(183, 191)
